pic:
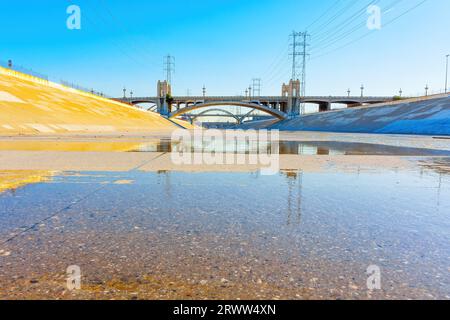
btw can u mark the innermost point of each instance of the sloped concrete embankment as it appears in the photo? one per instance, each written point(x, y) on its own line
point(30, 105)
point(429, 116)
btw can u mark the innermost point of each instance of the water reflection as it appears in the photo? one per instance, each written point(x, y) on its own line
point(321, 148)
point(311, 225)
point(294, 197)
point(236, 146)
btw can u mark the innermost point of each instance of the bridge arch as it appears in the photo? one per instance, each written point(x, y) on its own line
point(139, 101)
point(146, 105)
point(203, 113)
point(273, 112)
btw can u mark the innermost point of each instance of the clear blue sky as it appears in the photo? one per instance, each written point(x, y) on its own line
point(225, 43)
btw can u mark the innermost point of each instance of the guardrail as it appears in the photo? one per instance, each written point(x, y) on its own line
point(22, 69)
point(37, 76)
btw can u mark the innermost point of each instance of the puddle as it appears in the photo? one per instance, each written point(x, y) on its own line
point(289, 148)
point(223, 146)
point(14, 179)
point(228, 235)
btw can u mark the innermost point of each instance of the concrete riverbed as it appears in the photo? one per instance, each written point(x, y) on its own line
point(141, 227)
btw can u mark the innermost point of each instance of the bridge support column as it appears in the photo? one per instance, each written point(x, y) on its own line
point(295, 107)
point(324, 106)
point(354, 105)
point(163, 108)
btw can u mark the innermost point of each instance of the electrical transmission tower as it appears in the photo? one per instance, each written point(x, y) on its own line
point(299, 50)
point(169, 67)
point(256, 86)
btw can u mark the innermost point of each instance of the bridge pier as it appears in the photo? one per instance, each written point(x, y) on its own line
point(324, 106)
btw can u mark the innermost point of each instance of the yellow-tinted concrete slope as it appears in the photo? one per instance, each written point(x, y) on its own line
point(29, 105)
point(184, 124)
point(10, 180)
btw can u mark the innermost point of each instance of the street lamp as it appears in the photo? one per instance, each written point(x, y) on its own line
point(426, 91)
point(124, 92)
point(400, 92)
point(348, 92)
point(131, 94)
point(446, 73)
point(362, 91)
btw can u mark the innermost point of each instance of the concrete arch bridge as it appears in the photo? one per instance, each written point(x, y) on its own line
point(280, 107)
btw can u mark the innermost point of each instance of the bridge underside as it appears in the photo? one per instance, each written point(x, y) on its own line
point(273, 112)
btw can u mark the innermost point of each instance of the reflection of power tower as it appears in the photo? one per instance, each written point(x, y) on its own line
point(169, 67)
point(299, 49)
point(256, 86)
point(292, 179)
point(165, 175)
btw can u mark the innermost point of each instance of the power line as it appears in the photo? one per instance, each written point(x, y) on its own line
point(323, 37)
point(354, 29)
point(333, 18)
point(371, 31)
point(324, 14)
point(118, 23)
point(119, 46)
point(279, 58)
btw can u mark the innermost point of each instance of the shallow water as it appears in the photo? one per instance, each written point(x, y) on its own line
point(283, 147)
point(287, 147)
point(228, 235)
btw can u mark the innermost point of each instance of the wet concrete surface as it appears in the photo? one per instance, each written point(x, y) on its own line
point(299, 234)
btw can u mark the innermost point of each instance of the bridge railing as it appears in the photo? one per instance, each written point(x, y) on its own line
point(263, 98)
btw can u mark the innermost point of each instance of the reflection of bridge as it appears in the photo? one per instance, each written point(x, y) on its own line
point(223, 113)
point(276, 106)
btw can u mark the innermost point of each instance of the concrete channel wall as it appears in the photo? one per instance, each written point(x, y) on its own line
point(30, 105)
point(421, 116)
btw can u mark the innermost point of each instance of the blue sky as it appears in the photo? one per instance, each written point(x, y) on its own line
point(223, 44)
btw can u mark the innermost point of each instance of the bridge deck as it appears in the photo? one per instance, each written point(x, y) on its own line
point(318, 99)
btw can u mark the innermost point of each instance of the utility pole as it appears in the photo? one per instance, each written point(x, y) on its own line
point(256, 87)
point(250, 92)
point(400, 92)
point(124, 92)
point(204, 91)
point(426, 90)
point(169, 67)
point(446, 73)
point(362, 91)
point(131, 94)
